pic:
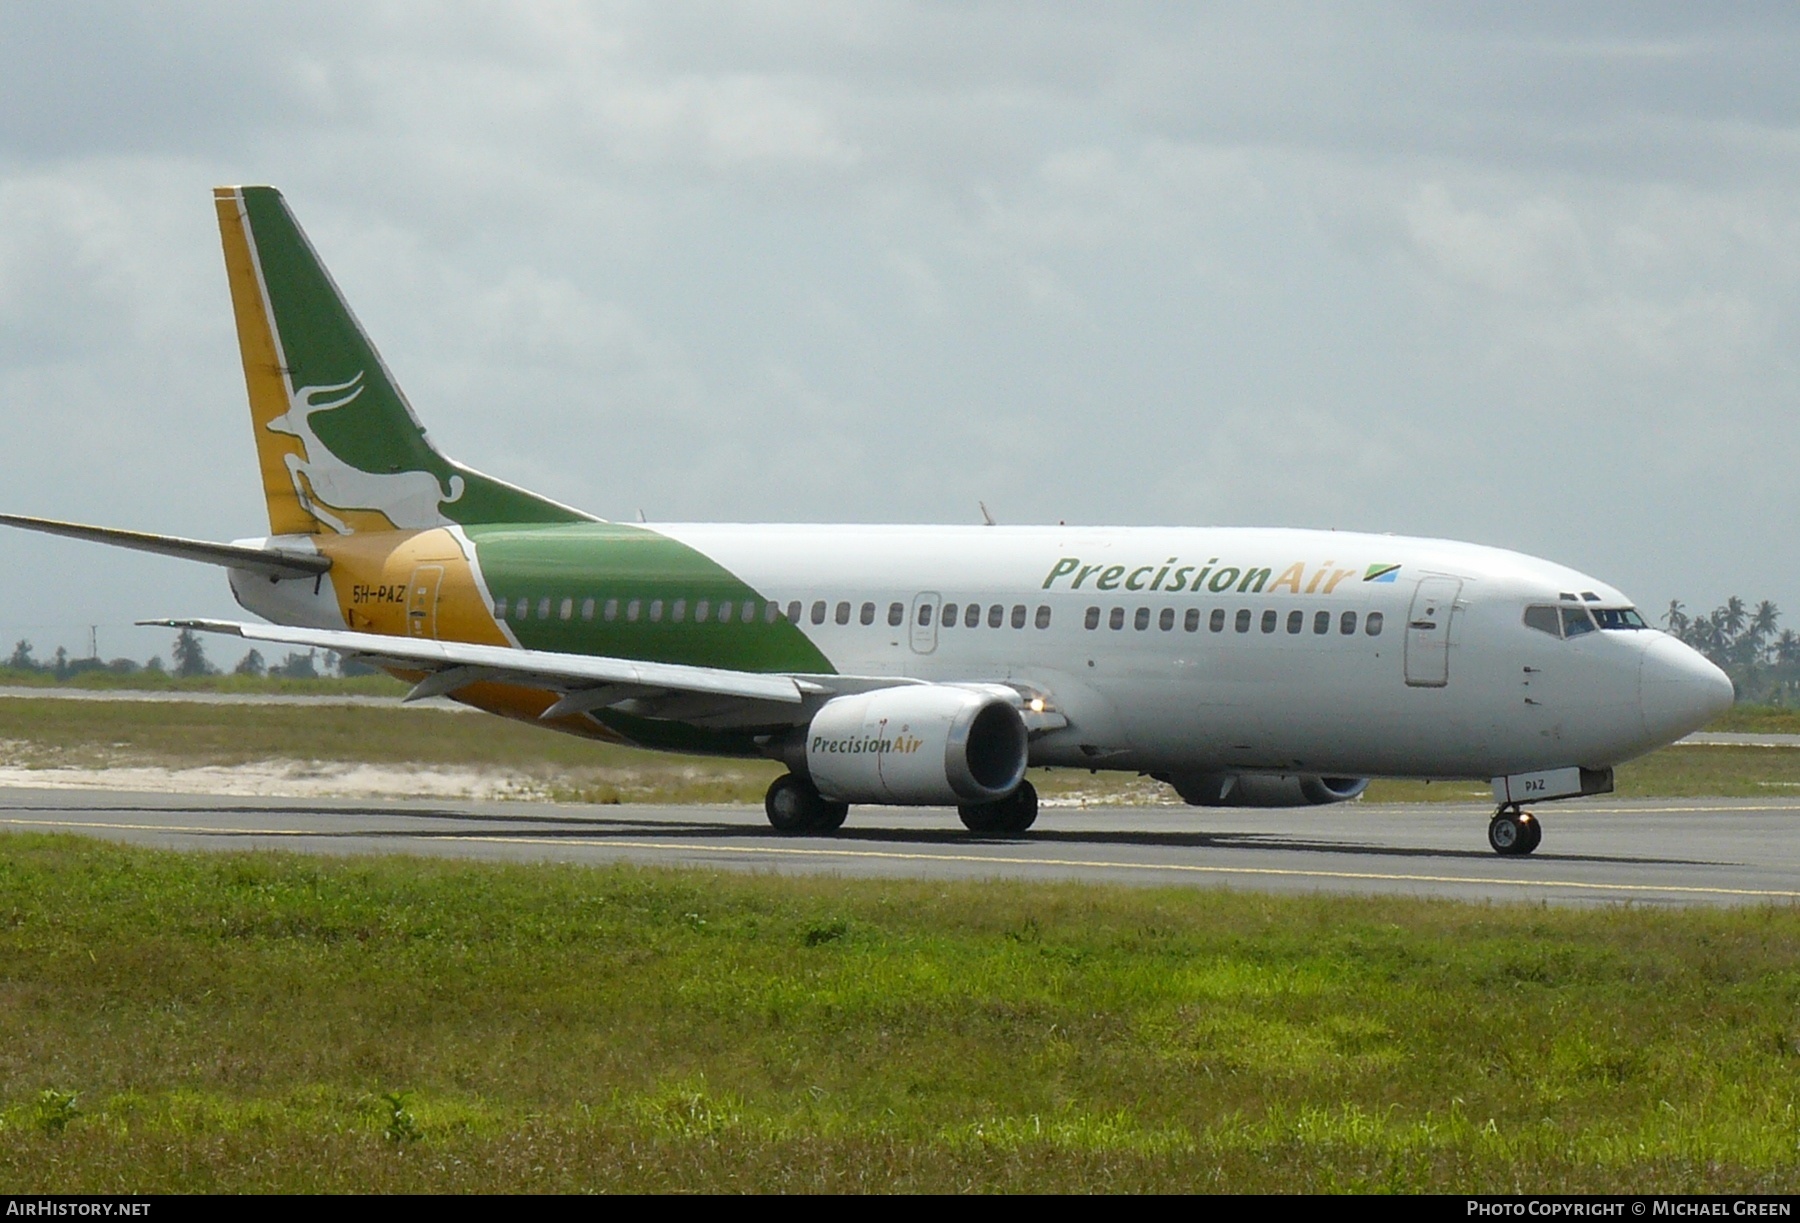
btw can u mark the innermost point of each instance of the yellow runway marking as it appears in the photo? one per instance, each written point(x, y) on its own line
point(984, 860)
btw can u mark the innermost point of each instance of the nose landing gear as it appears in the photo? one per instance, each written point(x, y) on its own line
point(1514, 833)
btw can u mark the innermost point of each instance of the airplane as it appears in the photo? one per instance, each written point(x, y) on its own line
point(911, 665)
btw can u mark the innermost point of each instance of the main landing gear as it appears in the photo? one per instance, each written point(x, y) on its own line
point(795, 806)
point(1008, 816)
point(1514, 833)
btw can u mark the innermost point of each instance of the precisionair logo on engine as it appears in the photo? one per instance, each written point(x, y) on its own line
point(901, 744)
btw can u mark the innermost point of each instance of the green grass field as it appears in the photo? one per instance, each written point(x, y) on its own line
point(269, 1022)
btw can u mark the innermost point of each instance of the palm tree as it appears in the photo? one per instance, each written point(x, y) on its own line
point(1733, 616)
point(1676, 618)
point(1762, 623)
point(1787, 647)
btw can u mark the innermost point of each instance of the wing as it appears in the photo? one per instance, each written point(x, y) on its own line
point(701, 695)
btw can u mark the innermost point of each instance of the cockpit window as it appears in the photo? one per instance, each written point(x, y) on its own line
point(1544, 620)
point(1619, 618)
point(1576, 621)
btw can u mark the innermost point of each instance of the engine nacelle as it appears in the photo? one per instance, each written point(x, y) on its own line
point(919, 745)
point(1264, 789)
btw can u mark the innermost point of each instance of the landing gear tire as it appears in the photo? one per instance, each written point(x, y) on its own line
point(1008, 816)
point(1514, 834)
point(794, 805)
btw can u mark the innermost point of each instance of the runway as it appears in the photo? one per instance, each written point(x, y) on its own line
point(1682, 852)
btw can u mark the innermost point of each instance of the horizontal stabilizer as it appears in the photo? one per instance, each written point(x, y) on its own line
point(271, 562)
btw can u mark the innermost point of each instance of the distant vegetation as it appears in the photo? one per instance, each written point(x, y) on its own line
point(191, 670)
point(1762, 659)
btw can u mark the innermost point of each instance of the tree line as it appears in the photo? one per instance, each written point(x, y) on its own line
point(187, 660)
point(1747, 643)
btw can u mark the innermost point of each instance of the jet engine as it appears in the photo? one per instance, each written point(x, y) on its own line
point(1263, 789)
point(919, 745)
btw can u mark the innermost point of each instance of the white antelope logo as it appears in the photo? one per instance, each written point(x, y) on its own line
point(408, 499)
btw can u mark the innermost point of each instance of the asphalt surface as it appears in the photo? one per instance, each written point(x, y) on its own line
point(1680, 852)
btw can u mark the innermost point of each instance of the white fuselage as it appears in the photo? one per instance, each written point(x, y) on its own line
point(1222, 649)
point(1477, 695)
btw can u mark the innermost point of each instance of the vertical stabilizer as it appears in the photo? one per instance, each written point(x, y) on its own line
point(339, 447)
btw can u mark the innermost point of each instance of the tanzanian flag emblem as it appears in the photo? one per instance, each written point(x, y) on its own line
point(1381, 573)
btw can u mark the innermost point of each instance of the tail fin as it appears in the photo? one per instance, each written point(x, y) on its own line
point(339, 446)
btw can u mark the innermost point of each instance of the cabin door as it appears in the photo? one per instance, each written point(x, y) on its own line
point(422, 601)
point(1428, 632)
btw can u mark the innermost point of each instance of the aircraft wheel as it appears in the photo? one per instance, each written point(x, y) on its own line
point(794, 805)
point(1514, 833)
point(1008, 816)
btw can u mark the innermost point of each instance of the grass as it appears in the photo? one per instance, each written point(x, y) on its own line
point(278, 1023)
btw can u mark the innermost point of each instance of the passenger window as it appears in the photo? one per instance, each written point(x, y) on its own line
point(568, 609)
point(1347, 624)
point(868, 613)
point(499, 609)
point(703, 609)
point(818, 611)
point(1191, 621)
point(1166, 619)
point(1116, 618)
point(1575, 621)
point(1321, 623)
point(972, 616)
point(1544, 620)
point(632, 609)
point(1270, 618)
point(949, 617)
point(771, 613)
point(1217, 622)
point(656, 610)
point(679, 611)
point(1093, 618)
point(1372, 624)
point(924, 615)
point(543, 609)
point(843, 613)
point(996, 616)
point(793, 612)
point(749, 616)
point(612, 609)
point(896, 614)
point(1043, 615)
point(1296, 621)
point(1142, 619)
point(587, 609)
point(1243, 620)
point(724, 612)
point(1018, 615)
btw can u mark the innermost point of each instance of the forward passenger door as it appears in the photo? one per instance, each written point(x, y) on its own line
point(1428, 632)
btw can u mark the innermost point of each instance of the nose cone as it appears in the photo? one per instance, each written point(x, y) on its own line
point(1679, 691)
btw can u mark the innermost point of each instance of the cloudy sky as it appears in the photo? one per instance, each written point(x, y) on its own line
point(1518, 274)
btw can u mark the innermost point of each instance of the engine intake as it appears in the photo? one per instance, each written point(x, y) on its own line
point(919, 745)
point(1264, 789)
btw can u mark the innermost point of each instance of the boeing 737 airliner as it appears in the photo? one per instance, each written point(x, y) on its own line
point(912, 665)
